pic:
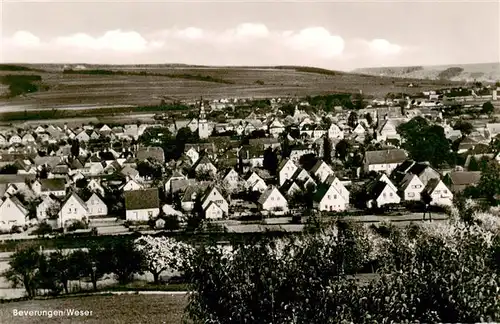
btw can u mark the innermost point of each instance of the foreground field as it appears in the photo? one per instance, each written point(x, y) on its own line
point(70, 91)
point(118, 309)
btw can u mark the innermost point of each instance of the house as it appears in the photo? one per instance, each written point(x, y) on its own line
point(193, 155)
point(189, 197)
point(256, 183)
point(421, 169)
point(493, 129)
point(459, 180)
point(231, 179)
point(204, 165)
point(359, 129)
point(15, 139)
point(276, 128)
point(96, 207)
point(12, 213)
point(335, 133)
point(328, 198)
point(286, 170)
point(130, 173)
point(49, 204)
point(82, 136)
point(382, 194)
point(45, 187)
point(440, 194)
point(272, 201)
point(303, 178)
point(383, 161)
point(28, 138)
point(290, 188)
point(213, 211)
point(297, 152)
point(132, 185)
point(387, 130)
point(142, 205)
point(252, 156)
point(3, 141)
point(411, 187)
point(95, 186)
point(213, 195)
point(341, 189)
point(72, 209)
point(321, 171)
point(176, 175)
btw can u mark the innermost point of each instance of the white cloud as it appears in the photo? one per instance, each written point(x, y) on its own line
point(192, 33)
point(384, 47)
point(252, 30)
point(115, 40)
point(25, 39)
point(315, 40)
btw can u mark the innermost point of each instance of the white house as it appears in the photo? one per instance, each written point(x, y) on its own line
point(334, 181)
point(141, 205)
point(213, 195)
point(286, 170)
point(132, 185)
point(387, 130)
point(204, 165)
point(231, 179)
point(411, 186)
point(193, 155)
point(47, 203)
point(289, 188)
point(328, 198)
point(256, 183)
point(276, 128)
point(73, 209)
point(335, 133)
point(96, 206)
point(382, 194)
point(213, 211)
point(95, 186)
point(439, 193)
point(12, 212)
point(272, 201)
point(45, 187)
point(321, 170)
point(383, 161)
point(384, 178)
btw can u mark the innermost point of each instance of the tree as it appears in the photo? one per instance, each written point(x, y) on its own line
point(24, 269)
point(342, 149)
point(358, 101)
point(473, 165)
point(93, 263)
point(464, 127)
point(489, 184)
point(285, 146)
point(124, 260)
point(9, 169)
point(425, 142)
point(327, 150)
point(369, 118)
point(487, 108)
point(307, 161)
point(352, 121)
point(270, 162)
point(75, 148)
point(62, 268)
point(161, 254)
point(171, 223)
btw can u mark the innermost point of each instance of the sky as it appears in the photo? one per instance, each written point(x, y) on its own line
point(336, 35)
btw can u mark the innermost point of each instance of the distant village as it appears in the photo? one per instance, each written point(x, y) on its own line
point(273, 162)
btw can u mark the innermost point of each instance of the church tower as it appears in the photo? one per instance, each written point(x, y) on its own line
point(202, 123)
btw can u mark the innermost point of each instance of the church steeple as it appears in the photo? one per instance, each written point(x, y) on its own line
point(202, 122)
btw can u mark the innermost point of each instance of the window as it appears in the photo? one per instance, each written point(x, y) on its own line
point(384, 195)
point(74, 211)
point(150, 213)
point(329, 197)
point(100, 210)
point(390, 194)
point(334, 196)
point(411, 194)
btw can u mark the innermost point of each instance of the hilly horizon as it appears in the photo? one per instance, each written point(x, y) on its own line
point(482, 72)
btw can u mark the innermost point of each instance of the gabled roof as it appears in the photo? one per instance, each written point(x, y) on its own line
point(142, 199)
point(267, 193)
point(377, 189)
point(55, 184)
point(316, 167)
point(77, 198)
point(18, 204)
point(385, 156)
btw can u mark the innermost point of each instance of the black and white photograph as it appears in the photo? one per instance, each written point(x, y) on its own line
point(249, 162)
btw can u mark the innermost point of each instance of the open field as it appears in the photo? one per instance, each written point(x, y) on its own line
point(146, 85)
point(459, 72)
point(118, 309)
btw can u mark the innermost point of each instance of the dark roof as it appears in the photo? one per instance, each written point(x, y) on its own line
point(142, 199)
point(377, 189)
point(55, 184)
point(16, 178)
point(461, 178)
point(385, 156)
point(151, 152)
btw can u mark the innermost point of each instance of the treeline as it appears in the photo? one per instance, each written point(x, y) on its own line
point(188, 76)
point(68, 113)
point(21, 84)
point(14, 68)
point(328, 102)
